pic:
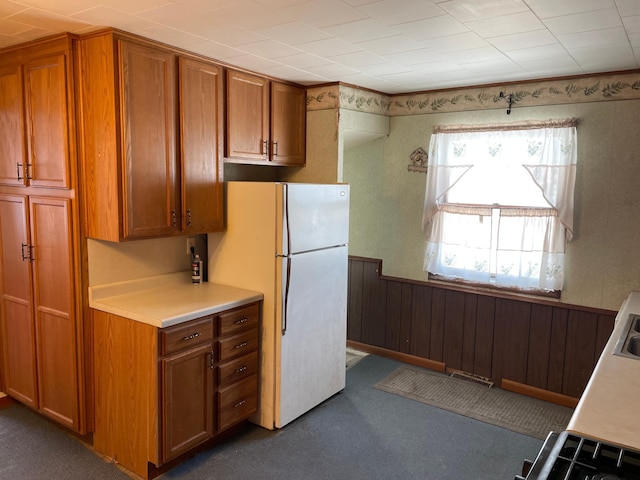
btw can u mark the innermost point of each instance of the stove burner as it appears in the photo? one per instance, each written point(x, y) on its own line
point(606, 476)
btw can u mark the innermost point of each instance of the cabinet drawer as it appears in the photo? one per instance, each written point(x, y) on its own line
point(239, 320)
point(238, 369)
point(238, 401)
point(186, 335)
point(236, 345)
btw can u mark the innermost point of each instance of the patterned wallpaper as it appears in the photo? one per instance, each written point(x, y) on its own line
point(596, 88)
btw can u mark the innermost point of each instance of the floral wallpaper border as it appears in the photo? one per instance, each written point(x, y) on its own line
point(596, 88)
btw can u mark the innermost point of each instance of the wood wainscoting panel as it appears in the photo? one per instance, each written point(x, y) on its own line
point(541, 344)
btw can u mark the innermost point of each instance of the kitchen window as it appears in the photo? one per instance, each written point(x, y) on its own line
point(498, 205)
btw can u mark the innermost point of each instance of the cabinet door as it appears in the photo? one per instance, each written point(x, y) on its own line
point(53, 299)
point(148, 143)
point(288, 124)
point(247, 132)
point(187, 400)
point(13, 151)
point(201, 121)
point(18, 335)
point(45, 90)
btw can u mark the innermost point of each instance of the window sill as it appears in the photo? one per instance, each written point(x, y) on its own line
point(493, 289)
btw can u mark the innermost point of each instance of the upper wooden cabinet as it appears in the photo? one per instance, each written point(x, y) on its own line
point(35, 101)
point(201, 134)
point(265, 121)
point(150, 124)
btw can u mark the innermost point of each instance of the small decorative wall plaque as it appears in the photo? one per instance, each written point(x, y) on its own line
point(418, 160)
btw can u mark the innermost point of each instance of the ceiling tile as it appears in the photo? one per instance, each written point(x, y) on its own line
point(583, 22)
point(132, 7)
point(170, 35)
point(437, 67)
point(107, 16)
point(414, 57)
point(332, 70)
point(537, 53)
point(215, 50)
point(361, 30)
point(390, 13)
point(483, 54)
point(470, 10)
point(359, 59)
point(609, 36)
point(628, 7)
point(558, 8)
point(554, 67)
point(48, 20)
point(61, 7)
point(253, 62)
point(329, 46)
point(11, 29)
point(226, 33)
point(518, 41)
point(294, 33)
point(604, 58)
point(10, 8)
point(383, 68)
point(252, 16)
point(269, 49)
point(455, 43)
point(390, 45)
point(325, 13)
point(433, 27)
point(303, 60)
point(506, 25)
point(632, 24)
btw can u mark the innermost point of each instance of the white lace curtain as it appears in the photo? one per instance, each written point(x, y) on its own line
point(499, 203)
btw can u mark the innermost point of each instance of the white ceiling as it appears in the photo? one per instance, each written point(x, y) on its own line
point(392, 46)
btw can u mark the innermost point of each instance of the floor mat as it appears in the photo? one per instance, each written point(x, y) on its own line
point(519, 413)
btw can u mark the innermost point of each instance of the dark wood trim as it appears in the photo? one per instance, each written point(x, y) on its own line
point(539, 393)
point(401, 357)
point(483, 291)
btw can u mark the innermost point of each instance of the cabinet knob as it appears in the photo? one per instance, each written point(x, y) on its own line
point(275, 149)
point(173, 218)
point(241, 345)
point(241, 321)
point(265, 150)
point(18, 166)
point(240, 403)
point(242, 369)
point(211, 359)
point(188, 217)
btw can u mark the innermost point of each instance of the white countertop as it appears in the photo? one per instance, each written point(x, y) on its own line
point(608, 408)
point(166, 300)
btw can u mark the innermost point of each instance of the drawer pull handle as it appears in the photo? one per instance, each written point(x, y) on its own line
point(241, 369)
point(240, 403)
point(192, 336)
point(241, 321)
point(241, 345)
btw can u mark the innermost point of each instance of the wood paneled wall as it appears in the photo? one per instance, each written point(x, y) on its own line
point(541, 344)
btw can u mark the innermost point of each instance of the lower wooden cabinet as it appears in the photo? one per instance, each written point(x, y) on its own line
point(38, 328)
point(161, 392)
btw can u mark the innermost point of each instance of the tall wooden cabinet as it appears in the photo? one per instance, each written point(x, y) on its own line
point(41, 299)
point(265, 121)
point(151, 151)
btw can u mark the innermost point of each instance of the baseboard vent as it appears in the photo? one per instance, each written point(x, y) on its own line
point(471, 377)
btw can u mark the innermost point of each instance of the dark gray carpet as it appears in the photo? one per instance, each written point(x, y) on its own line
point(505, 409)
point(361, 433)
point(34, 448)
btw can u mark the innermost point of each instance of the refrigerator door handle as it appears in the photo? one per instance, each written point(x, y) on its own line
point(286, 218)
point(285, 305)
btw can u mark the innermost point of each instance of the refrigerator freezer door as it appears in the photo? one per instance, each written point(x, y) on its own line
point(313, 347)
point(315, 216)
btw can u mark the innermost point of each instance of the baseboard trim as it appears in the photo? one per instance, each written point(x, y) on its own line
point(539, 393)
point(401, 357)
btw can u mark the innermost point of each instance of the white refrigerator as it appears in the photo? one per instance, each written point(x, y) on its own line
point(289, 241)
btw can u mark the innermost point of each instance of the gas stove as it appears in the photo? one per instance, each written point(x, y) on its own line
point(567, 456)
